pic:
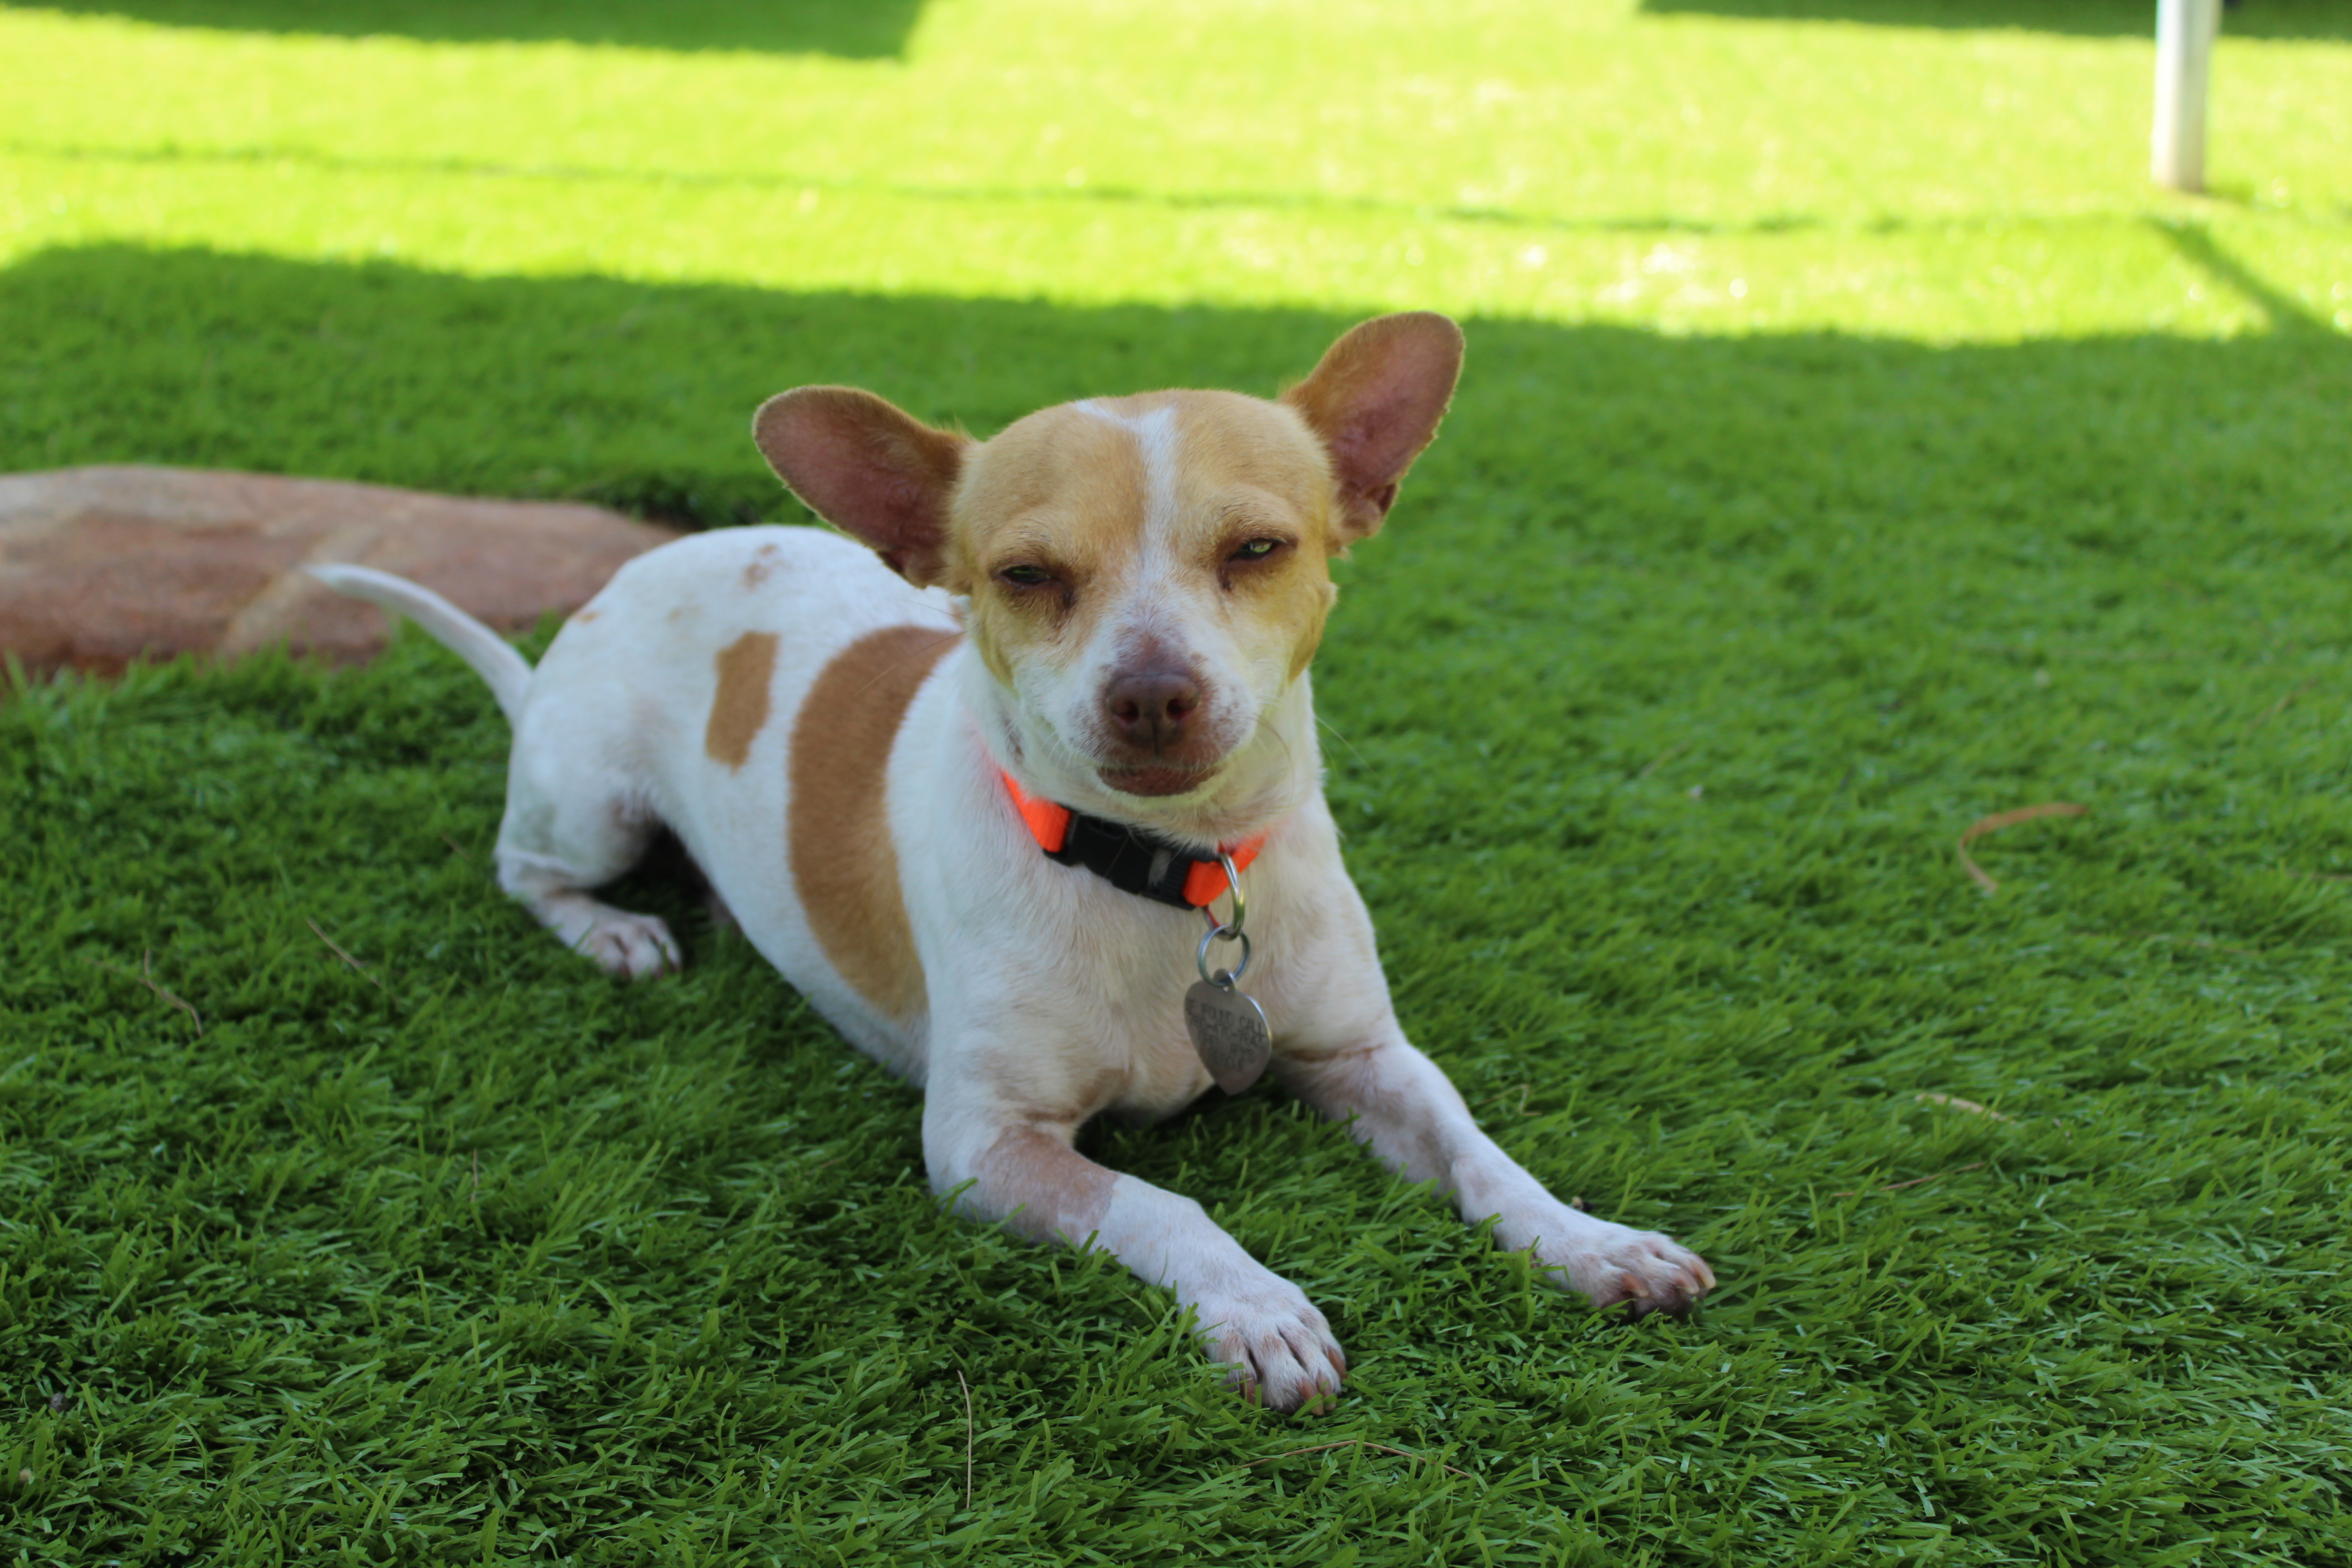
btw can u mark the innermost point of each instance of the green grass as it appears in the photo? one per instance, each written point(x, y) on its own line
point(1696, 641)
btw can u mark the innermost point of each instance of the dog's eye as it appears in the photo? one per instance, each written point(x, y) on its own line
point(1257, 550)
point(1026, 576)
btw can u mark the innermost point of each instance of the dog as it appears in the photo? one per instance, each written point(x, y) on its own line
point(974, 777)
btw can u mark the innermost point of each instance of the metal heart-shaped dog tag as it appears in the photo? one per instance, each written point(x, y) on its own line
point(1230, 1033)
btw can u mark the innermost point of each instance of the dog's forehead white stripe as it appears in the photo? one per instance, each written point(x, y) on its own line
point(1156, 441)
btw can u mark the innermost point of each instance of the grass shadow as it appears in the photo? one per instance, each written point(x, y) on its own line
point(2091, 18)
point(2196, 246)
point(856, 30)
point(638, 394)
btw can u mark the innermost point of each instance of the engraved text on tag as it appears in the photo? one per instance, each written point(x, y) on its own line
point(1230, 1033)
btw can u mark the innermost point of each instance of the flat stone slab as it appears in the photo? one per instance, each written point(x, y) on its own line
point(100, 566)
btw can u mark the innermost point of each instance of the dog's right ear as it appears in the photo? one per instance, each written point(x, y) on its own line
point(870, 469)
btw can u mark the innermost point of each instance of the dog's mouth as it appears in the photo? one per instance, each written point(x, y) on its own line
point(1160, 779)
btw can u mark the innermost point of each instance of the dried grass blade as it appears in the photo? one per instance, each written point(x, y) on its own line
point(2001, 819)
point(1662, 759)
point(1913, 1182)
point(346, 957)
point(2279, 707)
point(145, 976)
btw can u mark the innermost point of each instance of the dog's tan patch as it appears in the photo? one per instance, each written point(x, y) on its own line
point(1062, 490)
point(1048, 1189)
point(740, 710)
point(843, 861)
point(1255, 476)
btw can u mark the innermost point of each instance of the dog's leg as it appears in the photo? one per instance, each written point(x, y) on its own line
point(568, 829)
point(1023, 1170)
point(1410, 1115)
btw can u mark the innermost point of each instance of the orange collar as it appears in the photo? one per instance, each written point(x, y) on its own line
point(1128, 857)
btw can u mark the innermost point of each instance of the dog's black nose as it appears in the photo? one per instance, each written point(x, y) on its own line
point(1149, 708)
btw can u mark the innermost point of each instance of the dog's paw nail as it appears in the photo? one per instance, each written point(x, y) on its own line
point(1279, 1350)
point(1639, 1270)
point(632, 947)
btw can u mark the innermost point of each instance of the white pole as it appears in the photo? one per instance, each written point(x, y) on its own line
point(2184, 62)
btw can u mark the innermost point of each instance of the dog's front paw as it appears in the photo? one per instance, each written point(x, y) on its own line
point(1278, 1348)
point(1613, 1264)
point(618, 942)
point(630, 946)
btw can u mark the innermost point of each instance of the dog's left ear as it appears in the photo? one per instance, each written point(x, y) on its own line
point(1376, 400)
point(868, 468)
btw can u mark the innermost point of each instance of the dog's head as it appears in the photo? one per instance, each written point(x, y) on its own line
point(1144, 576)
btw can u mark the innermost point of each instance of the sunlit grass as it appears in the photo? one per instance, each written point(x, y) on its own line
point(1574, 161)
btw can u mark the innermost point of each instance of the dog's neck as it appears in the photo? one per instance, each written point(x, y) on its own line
point(1275, 772)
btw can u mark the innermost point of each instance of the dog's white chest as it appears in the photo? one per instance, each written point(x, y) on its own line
point(1164, 1073)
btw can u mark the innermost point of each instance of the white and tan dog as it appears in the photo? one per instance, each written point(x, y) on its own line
point(1110, 606)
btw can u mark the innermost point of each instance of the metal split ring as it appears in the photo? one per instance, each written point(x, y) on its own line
point(1234, 883)
point(1229, 931)
point(1224, 979)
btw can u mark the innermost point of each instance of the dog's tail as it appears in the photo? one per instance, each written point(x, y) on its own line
point(507, 675)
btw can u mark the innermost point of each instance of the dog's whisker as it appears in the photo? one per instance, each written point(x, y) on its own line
point(1343, 740)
